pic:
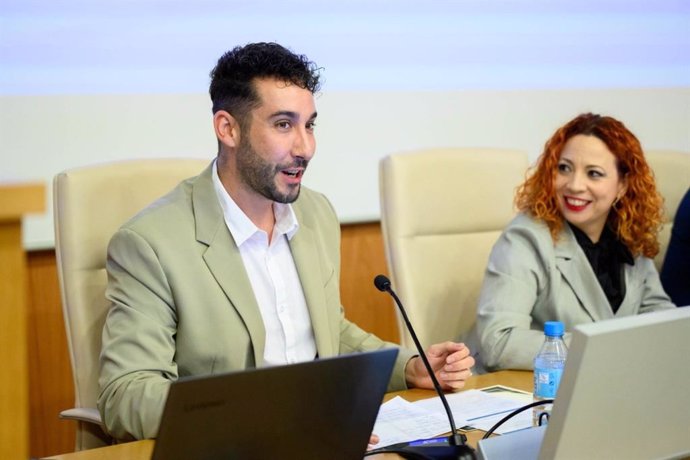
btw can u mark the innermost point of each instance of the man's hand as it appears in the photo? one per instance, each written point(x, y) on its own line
point(450, 361)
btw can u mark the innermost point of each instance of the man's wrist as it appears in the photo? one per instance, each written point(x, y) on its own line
point(411, 372)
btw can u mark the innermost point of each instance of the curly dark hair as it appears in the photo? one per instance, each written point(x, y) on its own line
point(232, 79)
point(635, 218)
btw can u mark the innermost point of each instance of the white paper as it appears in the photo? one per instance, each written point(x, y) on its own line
point(469, 405)
point(518, 422)
point(400, 421)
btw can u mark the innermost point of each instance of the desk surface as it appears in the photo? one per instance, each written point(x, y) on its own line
point(142, 450)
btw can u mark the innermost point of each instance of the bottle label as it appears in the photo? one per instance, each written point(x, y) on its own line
point(546, 382)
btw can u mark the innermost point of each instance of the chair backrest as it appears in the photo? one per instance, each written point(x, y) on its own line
point(90, 204)
point(672, 172)
point(441, 212)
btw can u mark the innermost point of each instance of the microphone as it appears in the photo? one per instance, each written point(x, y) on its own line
point(454, 446)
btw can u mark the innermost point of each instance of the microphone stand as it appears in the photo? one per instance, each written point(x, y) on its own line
point(455, 449)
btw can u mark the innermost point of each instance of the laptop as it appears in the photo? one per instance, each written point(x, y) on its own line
point(625, 393)
point(319, 409)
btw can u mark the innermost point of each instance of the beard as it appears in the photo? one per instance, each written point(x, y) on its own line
point(260, 175)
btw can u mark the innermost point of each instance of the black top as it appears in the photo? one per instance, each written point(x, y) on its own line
point(607, 257)
point(675, 273)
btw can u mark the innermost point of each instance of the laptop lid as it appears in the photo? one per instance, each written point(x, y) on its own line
point(624, 391)
point(319, 409)
point(624, 394)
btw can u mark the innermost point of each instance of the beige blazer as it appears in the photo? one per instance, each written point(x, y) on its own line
point(530, 280)
point(182, 303)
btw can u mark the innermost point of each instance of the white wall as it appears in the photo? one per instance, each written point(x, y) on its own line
point(42, 135)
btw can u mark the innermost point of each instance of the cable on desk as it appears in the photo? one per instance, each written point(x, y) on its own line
point(515, 412)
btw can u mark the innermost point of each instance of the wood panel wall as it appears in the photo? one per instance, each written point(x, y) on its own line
point(50, 377)
point(50, 374)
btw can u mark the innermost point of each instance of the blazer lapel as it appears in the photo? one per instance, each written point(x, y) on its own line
point(577, 271)
point(224, 260)
point(306, 256)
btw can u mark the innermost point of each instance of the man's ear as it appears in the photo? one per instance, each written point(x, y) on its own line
point(227, 129)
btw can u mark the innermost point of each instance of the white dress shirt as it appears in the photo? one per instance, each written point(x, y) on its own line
point(274, 279)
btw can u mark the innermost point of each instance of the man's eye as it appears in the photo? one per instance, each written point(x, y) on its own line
point(283, 124)
point(311, 125)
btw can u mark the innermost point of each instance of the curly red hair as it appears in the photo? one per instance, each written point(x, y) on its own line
point(636, 218)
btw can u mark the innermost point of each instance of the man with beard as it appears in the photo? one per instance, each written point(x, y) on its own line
point(237, 267)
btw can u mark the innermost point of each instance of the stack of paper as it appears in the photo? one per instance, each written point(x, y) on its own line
point(402, 421)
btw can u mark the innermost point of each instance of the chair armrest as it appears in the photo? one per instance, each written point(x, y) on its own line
point(83, 414)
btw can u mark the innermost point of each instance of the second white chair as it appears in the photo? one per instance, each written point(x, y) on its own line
point(441, 212)
point(672, 173)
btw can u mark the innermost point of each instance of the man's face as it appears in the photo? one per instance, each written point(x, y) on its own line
point(275, 149)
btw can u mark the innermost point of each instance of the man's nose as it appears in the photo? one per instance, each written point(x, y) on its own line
point(304, 145)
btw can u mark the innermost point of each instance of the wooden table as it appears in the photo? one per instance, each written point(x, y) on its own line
point(142, 450)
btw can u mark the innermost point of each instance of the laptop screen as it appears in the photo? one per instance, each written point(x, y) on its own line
point(625, 391)
point(319, 409)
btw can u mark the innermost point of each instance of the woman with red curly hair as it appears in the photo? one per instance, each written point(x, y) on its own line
point(580, 249)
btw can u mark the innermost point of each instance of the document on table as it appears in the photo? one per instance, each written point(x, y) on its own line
point(517, 422)
point(403, 421)
point(469, 405)
point(400, 421)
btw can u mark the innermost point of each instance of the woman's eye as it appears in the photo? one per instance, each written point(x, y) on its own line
point(595, 174)
point(563, 167)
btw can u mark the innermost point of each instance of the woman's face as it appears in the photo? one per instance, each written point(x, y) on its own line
point(587, 184)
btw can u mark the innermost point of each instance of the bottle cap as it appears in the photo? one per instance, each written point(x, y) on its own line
point(554, 328)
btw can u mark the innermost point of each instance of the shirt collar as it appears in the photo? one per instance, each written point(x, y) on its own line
point(240, 226)
point(608, 243)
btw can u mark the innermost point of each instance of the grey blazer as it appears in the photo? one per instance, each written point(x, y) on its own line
point(182, 303)
point(530, 280)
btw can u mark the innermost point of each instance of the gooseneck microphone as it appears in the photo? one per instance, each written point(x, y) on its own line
point(455, 448)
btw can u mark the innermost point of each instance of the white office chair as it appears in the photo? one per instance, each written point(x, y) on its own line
point(442, 210)
point(672, 173)
point(90, 204)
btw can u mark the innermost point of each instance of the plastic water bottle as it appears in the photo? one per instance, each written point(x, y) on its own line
point(548, 368)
